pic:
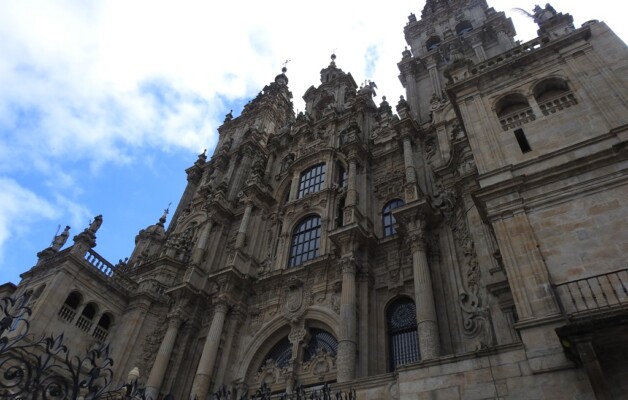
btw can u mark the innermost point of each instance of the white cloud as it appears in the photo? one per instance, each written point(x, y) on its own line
point(20, 208)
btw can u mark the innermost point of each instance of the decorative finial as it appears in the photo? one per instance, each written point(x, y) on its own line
point(162, 220)
point(285, 64)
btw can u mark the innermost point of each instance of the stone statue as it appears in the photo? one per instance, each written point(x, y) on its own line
point(95, 225)
point(59, 240)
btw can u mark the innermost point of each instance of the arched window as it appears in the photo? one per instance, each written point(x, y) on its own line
point(432, 43)
point(320, 340)
point(280, 354)
point(305, 241)
point(403, 338)
point(85, 320)
point(68, 309)
point(463, 27)
point(102, 328)
point(553, 95)
point(513, 110)
point(311, 180)
point(388, 220)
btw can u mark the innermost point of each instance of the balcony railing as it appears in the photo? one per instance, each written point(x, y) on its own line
point(99, 262)
point(67, 313)
point(601, 294)
point(557, 103)
point(517, 118)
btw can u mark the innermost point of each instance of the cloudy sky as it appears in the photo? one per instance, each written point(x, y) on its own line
point(103, 104)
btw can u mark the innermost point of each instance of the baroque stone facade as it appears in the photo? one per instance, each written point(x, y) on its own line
point(468, 246)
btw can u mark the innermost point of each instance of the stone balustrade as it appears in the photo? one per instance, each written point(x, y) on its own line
point(557, 103)
point(517, 118)
point(99, 262)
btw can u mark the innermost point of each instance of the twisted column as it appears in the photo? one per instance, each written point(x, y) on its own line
point(205, 370)
point(347, 345)
point(156, 377)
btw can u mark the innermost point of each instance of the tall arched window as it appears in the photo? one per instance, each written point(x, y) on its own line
point(388, 220)
point(311, 180)
point(306, 239)
point(280, 354)
point(403, 338)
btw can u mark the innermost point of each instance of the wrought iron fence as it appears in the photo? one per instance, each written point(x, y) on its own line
point(44, 369)
point(32, 369)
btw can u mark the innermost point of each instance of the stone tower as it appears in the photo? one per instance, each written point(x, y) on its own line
point(468, 244)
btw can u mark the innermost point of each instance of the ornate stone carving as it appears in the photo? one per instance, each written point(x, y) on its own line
point(296, 293)
point(271, 373)
point(321, 364)
point(151, 345)
point(475, 323)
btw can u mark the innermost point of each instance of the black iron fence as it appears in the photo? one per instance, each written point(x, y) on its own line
point(45, 369)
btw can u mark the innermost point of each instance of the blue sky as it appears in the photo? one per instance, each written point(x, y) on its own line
point(104, 104)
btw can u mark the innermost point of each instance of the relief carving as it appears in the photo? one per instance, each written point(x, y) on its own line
point(320, 364)
point(296, 293)
point(151, 346)
point(475, 314)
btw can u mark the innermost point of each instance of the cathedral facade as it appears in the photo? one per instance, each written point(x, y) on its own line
point(463, 243)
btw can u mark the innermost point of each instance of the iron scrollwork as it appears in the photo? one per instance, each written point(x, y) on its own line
point(45, 369)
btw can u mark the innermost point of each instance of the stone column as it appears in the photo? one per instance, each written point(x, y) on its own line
point(476, 44)
point(434, 78)
point(155, 379)
point(351, 201)
point(205, 370)
point(294, 186)
point(407, 160)
point(244, 225)
point(347, 346)
point(364, 283)
point(429, 342)
point(411, 190)
point(352, 194)
point(201, 244)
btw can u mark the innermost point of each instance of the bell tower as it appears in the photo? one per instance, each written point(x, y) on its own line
point(449, 32)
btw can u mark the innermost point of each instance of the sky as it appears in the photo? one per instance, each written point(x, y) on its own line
point(104, 104)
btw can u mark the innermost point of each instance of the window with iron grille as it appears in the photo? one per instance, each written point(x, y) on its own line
point(305, 241)
point(403, 338)
point(311, 180)
point(280, 353)
point(320, 339)
point(388, 220)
